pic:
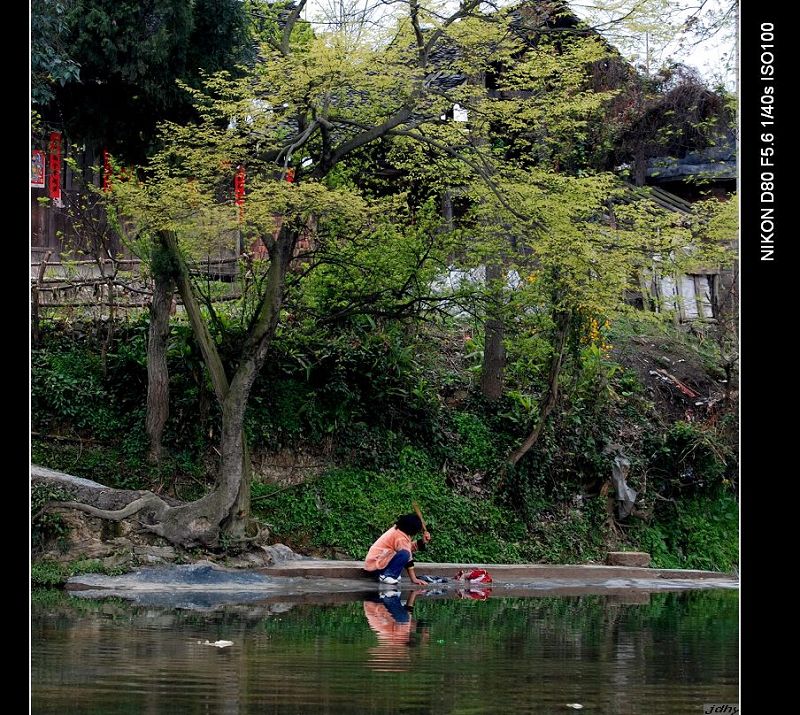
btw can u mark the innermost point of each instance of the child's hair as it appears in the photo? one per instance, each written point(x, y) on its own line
point(409, 523)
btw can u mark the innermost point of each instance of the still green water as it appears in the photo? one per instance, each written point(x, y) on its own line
point(667, 653)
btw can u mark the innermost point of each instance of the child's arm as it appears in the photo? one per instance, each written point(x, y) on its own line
point(412, 574)
point(421, 544)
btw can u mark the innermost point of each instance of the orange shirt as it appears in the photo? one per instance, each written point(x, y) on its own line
point(392, 653)
point(388, 544)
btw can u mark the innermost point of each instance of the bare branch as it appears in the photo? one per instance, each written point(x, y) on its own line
point(302, 139)
point(401, 115)
point(289, 26)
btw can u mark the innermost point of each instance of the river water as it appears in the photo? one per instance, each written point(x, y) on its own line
point(473, 653)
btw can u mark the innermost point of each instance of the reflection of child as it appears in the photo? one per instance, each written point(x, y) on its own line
point(391, 553)
point(395, 626)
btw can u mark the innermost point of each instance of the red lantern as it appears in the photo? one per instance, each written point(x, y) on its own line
point(54, 184)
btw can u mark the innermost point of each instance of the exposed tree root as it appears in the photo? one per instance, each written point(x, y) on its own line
point(187, 525)
point(134, 507)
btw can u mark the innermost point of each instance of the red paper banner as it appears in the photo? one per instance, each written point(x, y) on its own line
point(238, 189)
point(106, 170)
point(37, 168)
point(54, 151)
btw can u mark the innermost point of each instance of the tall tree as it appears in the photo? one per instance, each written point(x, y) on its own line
point(310, 107)
point(130, 55)
point(582, 240)
point(297, 121)
point(52, 63)
point(656, 33)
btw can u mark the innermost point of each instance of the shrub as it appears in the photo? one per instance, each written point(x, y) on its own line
point(46, 526)
point(476, 449)
point(700, 532)
point(47, 574)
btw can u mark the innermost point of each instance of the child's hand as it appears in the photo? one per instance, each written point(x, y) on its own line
point(426, 536)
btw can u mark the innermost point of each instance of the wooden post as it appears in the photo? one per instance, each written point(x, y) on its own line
point(35, 300)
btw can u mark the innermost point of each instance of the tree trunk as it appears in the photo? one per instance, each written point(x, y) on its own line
point(639, 169)
point(226, 508)
point(109, 336)
point(157, 370)
point(233, 483)
point(253, 355)
point(196, 523)
point(35, 300)
point(494, 351)
point(494, 360)
point(551, 393)
point(447, 210)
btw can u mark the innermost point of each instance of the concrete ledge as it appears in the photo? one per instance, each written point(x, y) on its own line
point(500, 572)
point(205, 585)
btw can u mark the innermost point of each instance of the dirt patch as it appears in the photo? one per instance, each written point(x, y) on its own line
point(674, 376)
point(288, 467)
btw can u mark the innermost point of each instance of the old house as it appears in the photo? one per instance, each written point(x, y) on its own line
point(709, 293)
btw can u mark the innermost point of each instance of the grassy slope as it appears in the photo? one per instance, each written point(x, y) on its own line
point(392, 425)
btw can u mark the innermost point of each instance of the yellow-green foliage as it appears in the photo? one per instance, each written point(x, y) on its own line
point(318, 101)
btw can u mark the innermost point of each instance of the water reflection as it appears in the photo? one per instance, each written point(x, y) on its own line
point(474, 594)
point(390, 614)
point(473, 654)
point(397, 629)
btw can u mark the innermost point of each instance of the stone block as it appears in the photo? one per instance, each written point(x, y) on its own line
point(628, 558)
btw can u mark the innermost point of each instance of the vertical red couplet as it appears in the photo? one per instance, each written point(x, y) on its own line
point(54, 180)
point(238, 190)
point(106, 170)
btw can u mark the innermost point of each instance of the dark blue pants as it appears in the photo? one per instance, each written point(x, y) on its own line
point(396, 608)
point(395, 567)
